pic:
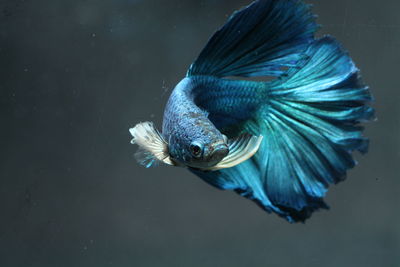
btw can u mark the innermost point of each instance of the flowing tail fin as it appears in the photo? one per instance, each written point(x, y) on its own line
point(309, 117)
point(310, 123)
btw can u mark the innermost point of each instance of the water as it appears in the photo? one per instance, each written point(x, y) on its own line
point(76, 75)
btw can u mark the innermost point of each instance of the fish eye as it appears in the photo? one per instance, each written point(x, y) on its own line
point(196, 149)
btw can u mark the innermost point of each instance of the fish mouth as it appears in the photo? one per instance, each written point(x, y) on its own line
point(220, 151)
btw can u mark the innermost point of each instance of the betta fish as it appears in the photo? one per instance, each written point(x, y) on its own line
point(267, 110)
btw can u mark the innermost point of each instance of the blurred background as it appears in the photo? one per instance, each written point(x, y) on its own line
point(76, 75)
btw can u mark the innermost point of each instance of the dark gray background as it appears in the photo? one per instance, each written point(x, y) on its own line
point(75, 75)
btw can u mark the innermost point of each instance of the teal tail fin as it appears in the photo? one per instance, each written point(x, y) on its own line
point(309, 117)
point(312, 121)
point(310, 126)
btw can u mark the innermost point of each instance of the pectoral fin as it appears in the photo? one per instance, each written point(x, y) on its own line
point(240, 149)
point(152, 145)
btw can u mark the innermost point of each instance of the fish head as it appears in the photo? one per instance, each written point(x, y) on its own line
point(198, 147)
point(202, 154)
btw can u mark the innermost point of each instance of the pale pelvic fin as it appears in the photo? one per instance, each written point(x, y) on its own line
point(240, 149)
point(149, 139)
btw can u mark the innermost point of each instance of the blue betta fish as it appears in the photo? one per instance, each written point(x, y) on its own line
point(279, 142)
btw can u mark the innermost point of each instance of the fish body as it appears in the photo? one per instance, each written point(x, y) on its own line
point(281, 142)
point(187, 122)
point(189, 131)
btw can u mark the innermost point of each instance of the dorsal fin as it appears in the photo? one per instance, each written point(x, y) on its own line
point(262, 39)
